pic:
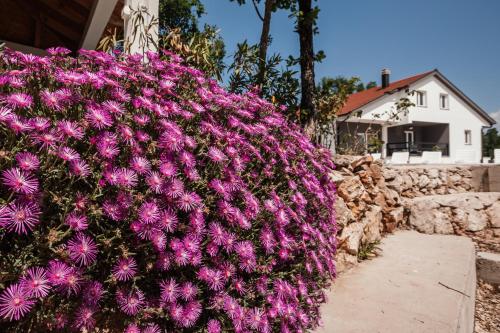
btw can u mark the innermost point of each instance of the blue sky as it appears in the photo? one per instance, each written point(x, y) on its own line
point(459, 37)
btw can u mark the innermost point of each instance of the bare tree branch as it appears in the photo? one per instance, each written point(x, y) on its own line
point(257, 10)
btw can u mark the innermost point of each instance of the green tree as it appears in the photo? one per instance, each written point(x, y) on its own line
point(180, 33)
point(270, 6)
point(281, 85)
point(180, 14)
point(348, 85)
point(491, 141)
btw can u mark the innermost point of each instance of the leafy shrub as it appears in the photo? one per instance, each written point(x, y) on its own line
point(144, 197)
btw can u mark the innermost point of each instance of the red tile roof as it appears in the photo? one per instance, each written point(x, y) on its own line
point(357, 100)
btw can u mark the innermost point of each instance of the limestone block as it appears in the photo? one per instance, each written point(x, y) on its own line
point(494, 214)
point(423, 181)
point(477, 220)
point(373, 224)
point(350, 237)
point(344, 214)
point(351, 188)
point(442, 221)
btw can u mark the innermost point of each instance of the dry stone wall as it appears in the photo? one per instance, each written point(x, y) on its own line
point(373, 199)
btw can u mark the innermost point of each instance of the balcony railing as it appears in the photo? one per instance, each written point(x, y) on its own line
point(416, 148)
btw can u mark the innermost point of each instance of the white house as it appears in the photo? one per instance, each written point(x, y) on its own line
point(442, 118)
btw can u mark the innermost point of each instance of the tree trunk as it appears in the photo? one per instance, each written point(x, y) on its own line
point(264, 41)
point(306, 31)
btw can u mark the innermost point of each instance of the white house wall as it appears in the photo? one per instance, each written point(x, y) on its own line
point(459, 116)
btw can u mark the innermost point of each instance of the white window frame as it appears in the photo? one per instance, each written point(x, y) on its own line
point(468, 136)
point(424, 98)
point(447, 101)
point(410, 137)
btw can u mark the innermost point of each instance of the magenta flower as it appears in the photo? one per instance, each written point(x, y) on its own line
point(140, 165)
point(84, 317)
point(19, 100)
point(213, 326)
point(72, 282)
point(126, 178)
point(130, 302)
point(189, 201)
point(163, 262)
point(168, 169)
point(217, 233)
point(125, 269)
point(174, 188)
point(20, 218)
point(98, 117)
point(77, 221)
point(132, 328)
point(82, 250)
point(50, 100)
point(216, 155)
point(5, 115)
point(60, 51)
point(71, 129)
point(93, 292)
point(188, 291)
point(113, 107)
point(152, 328)
point(19, 181)
point(79, 168)
point(35, 282)
point(15, 302)
point(68, 154)
point(27, 161)
point(149, 212)
point(57, 272)
point(168, 220)
point(191, 313)
point(169, 291)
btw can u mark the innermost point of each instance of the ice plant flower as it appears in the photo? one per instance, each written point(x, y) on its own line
point(19, 217)
point(82, 250)
point(35, 282)
point(19, 181)
point(125, 269)
point(27, 161)
point(130, 301)
point(77, 221)
point(144, 190)
point(19, 100)
point(15, 302)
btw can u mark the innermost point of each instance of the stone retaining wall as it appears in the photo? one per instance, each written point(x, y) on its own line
point(374, 199)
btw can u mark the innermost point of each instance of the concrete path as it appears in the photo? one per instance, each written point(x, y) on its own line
point(415, 286)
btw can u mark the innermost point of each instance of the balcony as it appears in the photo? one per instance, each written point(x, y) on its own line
point(416, 148)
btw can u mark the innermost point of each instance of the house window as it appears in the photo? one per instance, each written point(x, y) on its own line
point(421, 98)
point(468, 137)
point(443, 102)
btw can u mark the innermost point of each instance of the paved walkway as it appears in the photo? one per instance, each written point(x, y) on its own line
point(417, 285)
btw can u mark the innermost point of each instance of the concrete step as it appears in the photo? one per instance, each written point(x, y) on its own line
point(488, 267)
point(421, 283)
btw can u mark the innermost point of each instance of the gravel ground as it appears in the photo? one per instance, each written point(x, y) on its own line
point(487, 295)
point(487, 308)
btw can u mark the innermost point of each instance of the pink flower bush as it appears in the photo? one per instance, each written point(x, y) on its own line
point(143, 197)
